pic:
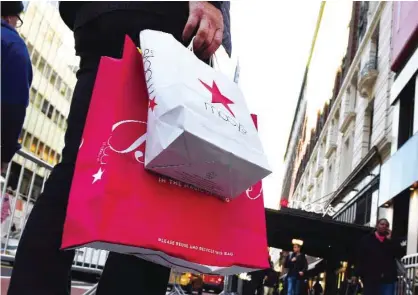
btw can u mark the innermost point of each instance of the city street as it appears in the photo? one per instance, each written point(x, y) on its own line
point(78, 287)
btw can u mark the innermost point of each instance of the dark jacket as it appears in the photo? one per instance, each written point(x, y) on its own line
point(272, 278)
point(167, 16)
point(300, 265)
point(348, 288)
point(377, 260)
point(16, 79)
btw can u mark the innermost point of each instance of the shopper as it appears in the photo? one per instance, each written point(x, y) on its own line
point(317, 288)
point(297, 266)
point(351, 287)
point(377, 256)
point(16, 79)
point(99, 30)
point(271, 280)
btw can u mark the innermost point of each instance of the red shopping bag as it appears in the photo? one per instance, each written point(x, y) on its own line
point(116, 205)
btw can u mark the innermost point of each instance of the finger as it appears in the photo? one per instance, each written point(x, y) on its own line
point(201, 35)
point(214, 45)
point(190, 27)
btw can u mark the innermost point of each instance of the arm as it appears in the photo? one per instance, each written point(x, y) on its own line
point(304, 263)
point(16, 81)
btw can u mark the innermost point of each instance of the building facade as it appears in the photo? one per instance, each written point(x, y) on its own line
point(361, 162)
point(54, 65)
point(399, 176)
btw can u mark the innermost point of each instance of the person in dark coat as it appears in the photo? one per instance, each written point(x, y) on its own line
point(317, 288)
point(271, 280)
point(16, 79)
point(377, 256)
point(99, 30)
point(351, 287)
point(297, 266)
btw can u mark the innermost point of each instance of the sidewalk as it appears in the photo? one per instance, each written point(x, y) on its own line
point(78, 288)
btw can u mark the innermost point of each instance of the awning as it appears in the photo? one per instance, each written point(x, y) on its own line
point(322, 237)
point(314, 264)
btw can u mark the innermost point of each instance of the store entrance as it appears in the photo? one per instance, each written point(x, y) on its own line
point(400, 218)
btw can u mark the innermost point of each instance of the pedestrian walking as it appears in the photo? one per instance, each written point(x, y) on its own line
point(351, 287)
point(297, 266)
point(16, 79)
point(271, 280)
point(99, 30)
point(317, 288)
point(377, 256)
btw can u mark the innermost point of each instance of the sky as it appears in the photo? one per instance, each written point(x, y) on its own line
point(272, 42)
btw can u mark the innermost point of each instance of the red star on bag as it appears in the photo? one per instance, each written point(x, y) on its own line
point(218, 97)
point(152, 104)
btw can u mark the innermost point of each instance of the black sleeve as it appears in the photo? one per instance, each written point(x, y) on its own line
point(287, 262)
point(360, 257)
point(68, 11)
point(12, 117)
point(305, 263)
point(217, 4)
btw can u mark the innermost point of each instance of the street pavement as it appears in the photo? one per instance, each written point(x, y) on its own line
point(78, 287)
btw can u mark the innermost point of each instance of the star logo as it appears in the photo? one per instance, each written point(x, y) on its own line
point(218, 97)
point(152, 104)
point(98, 175)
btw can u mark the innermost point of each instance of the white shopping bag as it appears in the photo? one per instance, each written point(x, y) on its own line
point(199, 128)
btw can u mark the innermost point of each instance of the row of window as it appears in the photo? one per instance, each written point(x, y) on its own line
point(38, 148)
point(40, 102)
point(44, 67)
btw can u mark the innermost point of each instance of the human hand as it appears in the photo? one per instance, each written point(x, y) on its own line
point(389, 235)
point(301, 273)
point(294, 259)
point(207, 20)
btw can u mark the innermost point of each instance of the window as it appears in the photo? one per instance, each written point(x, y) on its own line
point(69, 93)
point(41, 65)
point(406, 111)
point(51, 158)
point(369, 119)
point(56, 116)
point(53, 77)
point(61, 121)
point(63, 89)
point(50, 111)
point(40, 150)
point(32, 95)
point(363, 212)
point(38, 100)
point(58, 158)
point(58, 84)
point(46, 153)
point(330, 180)
point(27, 140)
point(45, 106)
point(35, 58)
point(48, 71)
point(30, 48)
point(33, 145)
point(21, 136)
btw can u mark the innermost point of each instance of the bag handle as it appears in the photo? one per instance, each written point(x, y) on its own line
point(212, 59)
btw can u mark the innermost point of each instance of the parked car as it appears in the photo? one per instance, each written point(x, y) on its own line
point(187, 281)
point(213, 283)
